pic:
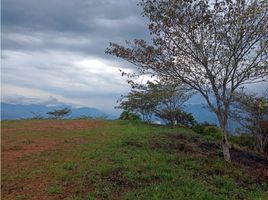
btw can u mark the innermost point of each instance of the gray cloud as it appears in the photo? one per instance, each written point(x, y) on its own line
point(53, 50)
point(83, 25)
point(56, 48)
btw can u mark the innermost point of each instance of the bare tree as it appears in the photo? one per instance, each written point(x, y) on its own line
point(214, 47)
point(36, 115)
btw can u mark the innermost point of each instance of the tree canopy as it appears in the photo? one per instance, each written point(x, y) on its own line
point(215, 47)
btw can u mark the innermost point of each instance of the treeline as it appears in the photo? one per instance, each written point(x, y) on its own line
point(166, 102)
point(162, 100)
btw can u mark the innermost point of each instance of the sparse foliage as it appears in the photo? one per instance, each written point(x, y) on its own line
point(164, 100)
point(251, 112)
point(59, 113)
point(214, 47)
point(127, 115)
point(171, 98)
point(37, 115)
point(140, 101)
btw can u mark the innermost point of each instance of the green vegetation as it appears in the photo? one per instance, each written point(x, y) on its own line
point(127, 115)
point(118, 160)
point(54, 190)
point(59, 113)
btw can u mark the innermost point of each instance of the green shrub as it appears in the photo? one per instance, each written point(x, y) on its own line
point(127, 115)
point(199, 128)
point(243, 140)
point(69, 165)
point(53, 190)
point(207, 129)
point(213, 131)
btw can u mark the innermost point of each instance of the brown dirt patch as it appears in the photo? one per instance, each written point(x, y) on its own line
point(13, 153)
point(21, 139)
point(28, 189)
point(47, 125)
point(67, 125)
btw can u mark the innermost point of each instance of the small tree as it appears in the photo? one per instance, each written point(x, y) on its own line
point(59, 113)
point(139, 101)
point(176, 116)
point(251, 112)
point(214, 47)
point(36, 115)
point(171, 98)
point(164, 100)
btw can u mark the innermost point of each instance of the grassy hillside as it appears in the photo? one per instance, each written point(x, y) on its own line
point(82, 159)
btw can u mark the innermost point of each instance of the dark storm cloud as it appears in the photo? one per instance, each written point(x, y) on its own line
point(86, 26)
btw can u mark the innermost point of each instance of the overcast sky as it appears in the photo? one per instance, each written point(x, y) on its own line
point(53, 50)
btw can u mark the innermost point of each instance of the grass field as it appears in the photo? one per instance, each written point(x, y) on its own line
point(91, 159)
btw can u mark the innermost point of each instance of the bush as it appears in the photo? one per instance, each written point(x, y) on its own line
point(199, 128)
point(127, 115)
point(243, 140)
point(208, 130)
point(212, 131)
point(182, 118)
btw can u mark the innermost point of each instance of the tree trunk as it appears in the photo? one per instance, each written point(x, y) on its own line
point(174, 123)
point(225, 147)
point(225, 144)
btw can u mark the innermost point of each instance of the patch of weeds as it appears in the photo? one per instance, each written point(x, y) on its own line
point(93, 178)
point(23, 175)
point(66, 179)
point(191, 164)
point(71, 165)
point(53, 190)
point(15, 148)
point(104, 170)
point(116, 177)
point(75, 198)
point(217, 168)
point(21, 197)
point(90, 196)
point(132, 143)
point(226, 186)
point(167, 190)
point(27, 142)
point(103, 190)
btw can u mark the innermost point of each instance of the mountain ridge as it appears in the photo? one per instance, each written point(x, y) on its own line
point(20, 111)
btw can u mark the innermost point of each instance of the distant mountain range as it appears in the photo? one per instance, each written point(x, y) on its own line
point(18, 111)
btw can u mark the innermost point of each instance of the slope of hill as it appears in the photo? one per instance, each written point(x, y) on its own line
point(92, 159)
point(16, 111)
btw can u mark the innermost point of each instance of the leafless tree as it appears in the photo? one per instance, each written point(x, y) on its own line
point(214, 47)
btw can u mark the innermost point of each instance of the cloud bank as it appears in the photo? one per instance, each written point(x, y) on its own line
point(54, 49)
